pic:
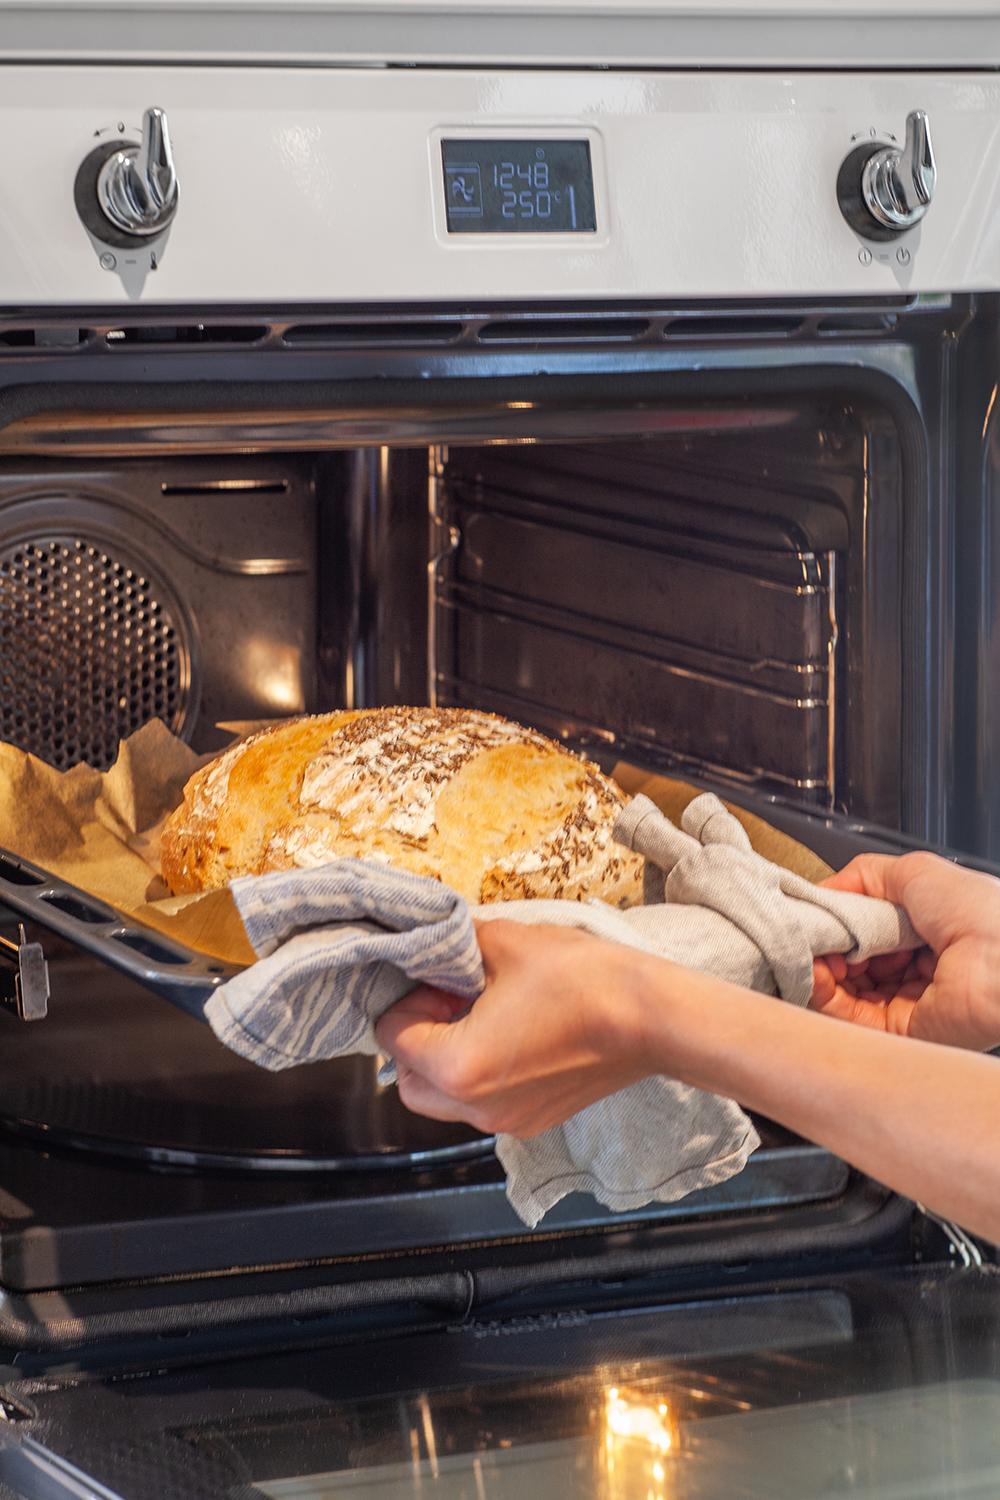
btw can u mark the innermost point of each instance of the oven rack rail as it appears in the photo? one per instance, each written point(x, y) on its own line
point(169, 969)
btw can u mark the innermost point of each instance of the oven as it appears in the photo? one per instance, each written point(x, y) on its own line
point(630, 375)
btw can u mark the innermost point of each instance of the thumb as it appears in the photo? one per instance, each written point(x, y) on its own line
point(416, 1024)
point(868, 875)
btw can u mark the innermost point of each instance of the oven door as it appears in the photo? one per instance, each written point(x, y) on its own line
point(163, 1200)
point(878, 1384)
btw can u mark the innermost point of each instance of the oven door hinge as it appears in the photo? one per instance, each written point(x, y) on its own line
point(24, 978)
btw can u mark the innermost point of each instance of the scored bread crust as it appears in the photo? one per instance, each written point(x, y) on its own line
point(495, 810)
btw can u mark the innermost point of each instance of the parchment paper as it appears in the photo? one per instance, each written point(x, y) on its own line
point(100, 831)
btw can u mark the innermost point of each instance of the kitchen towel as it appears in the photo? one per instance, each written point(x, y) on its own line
point(340, 944)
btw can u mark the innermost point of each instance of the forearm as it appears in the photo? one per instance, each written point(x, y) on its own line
point(921, 1118)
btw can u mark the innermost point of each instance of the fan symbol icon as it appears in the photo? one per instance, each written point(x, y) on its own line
point(465, 189)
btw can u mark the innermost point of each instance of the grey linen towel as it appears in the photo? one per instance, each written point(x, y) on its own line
point(342, 943)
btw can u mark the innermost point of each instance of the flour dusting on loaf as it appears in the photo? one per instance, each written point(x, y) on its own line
point(497, 811)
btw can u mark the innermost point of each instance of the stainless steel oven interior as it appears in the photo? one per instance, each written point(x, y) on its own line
point(748, 545)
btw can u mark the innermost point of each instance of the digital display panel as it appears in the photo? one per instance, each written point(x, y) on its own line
point(518, 187)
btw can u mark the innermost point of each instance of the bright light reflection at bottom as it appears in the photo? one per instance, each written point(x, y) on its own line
point(637, 1438)
point(627, 1457)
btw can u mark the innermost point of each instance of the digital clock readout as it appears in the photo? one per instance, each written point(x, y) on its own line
point(518, 187)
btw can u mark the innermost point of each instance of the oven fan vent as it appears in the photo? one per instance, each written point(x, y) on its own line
point(90, 650)
point(469, 329)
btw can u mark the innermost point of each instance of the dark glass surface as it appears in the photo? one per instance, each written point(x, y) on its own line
point(877, 1385)
point(518, 187)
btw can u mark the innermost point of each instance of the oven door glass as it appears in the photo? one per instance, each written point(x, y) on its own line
point(878, 1384)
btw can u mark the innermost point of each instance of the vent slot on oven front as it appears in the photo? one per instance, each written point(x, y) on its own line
point(335, 335)
point(396, 332)
point(610, 595)
point(536, 330)
point(182, 335)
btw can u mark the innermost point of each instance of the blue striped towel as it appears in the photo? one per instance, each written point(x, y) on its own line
point(338, 945)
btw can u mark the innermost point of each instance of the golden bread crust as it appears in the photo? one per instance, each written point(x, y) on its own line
point(497, 811)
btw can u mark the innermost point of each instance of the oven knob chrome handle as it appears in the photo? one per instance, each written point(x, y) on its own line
point(126, 192)
point(884, 191)
point(897, 186)
point(137, 185)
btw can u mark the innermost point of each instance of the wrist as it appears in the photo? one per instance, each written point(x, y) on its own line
point(987, 983)
point(621, 985)
point(651, 1014)
point(702, 1030)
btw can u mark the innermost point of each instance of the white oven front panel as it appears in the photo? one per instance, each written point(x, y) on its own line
point(309, 185)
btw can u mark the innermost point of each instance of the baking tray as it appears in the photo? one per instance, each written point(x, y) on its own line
point(175, 972)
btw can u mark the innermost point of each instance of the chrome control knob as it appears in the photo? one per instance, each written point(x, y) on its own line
point(897, 186)
point(883, 190)
point(137, 185)
point(127, 192)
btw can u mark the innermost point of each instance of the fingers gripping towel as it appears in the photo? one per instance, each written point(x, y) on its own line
point(340, 944)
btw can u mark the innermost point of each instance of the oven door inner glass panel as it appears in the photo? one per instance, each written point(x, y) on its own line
point(876, 1384)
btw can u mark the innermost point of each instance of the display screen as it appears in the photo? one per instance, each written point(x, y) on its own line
point(518, 187)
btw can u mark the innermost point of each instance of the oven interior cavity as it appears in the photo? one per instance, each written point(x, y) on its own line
point(696, 592)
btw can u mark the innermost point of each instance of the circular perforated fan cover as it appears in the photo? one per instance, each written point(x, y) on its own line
point(91, 648)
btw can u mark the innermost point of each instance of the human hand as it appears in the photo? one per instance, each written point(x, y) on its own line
point(947, 992)
point(556, 1027)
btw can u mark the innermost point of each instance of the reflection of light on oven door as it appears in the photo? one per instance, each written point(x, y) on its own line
point(638, 1439)
point(430, 1441)
point(274, 673)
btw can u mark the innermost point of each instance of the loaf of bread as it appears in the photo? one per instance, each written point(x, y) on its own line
point(496, 811)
